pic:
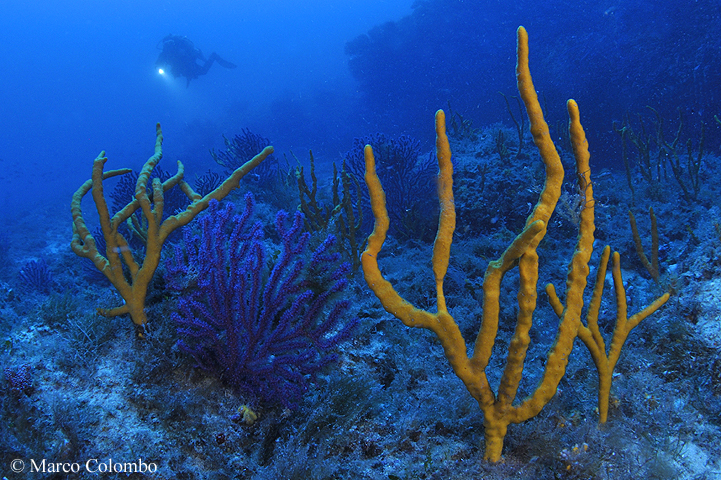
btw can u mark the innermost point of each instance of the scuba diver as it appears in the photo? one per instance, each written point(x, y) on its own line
point(180, 56)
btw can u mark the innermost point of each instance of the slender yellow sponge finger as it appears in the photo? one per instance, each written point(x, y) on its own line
point(447, 218)
point(649, 310)
point(594, 307)
point(553, 299)
point(651, 266)
point(541, 137)
point(83, 243)
point(390, 299)
point(578, 270)
point(198, 204)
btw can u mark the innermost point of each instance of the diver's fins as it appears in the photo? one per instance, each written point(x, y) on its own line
point(223, 63)
point(203, 69)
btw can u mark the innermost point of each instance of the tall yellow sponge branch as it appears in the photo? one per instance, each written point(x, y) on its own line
point(502, 407)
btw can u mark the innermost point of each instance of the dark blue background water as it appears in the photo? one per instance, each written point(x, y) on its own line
point(77, 77)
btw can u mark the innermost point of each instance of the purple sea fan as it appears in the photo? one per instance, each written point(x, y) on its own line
point(36, 275)
point(265, 323)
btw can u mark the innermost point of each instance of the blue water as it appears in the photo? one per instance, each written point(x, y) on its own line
point(78, 77)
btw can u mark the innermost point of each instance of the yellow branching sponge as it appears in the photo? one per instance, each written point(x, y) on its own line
point(501, 408)
point(110, 263)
